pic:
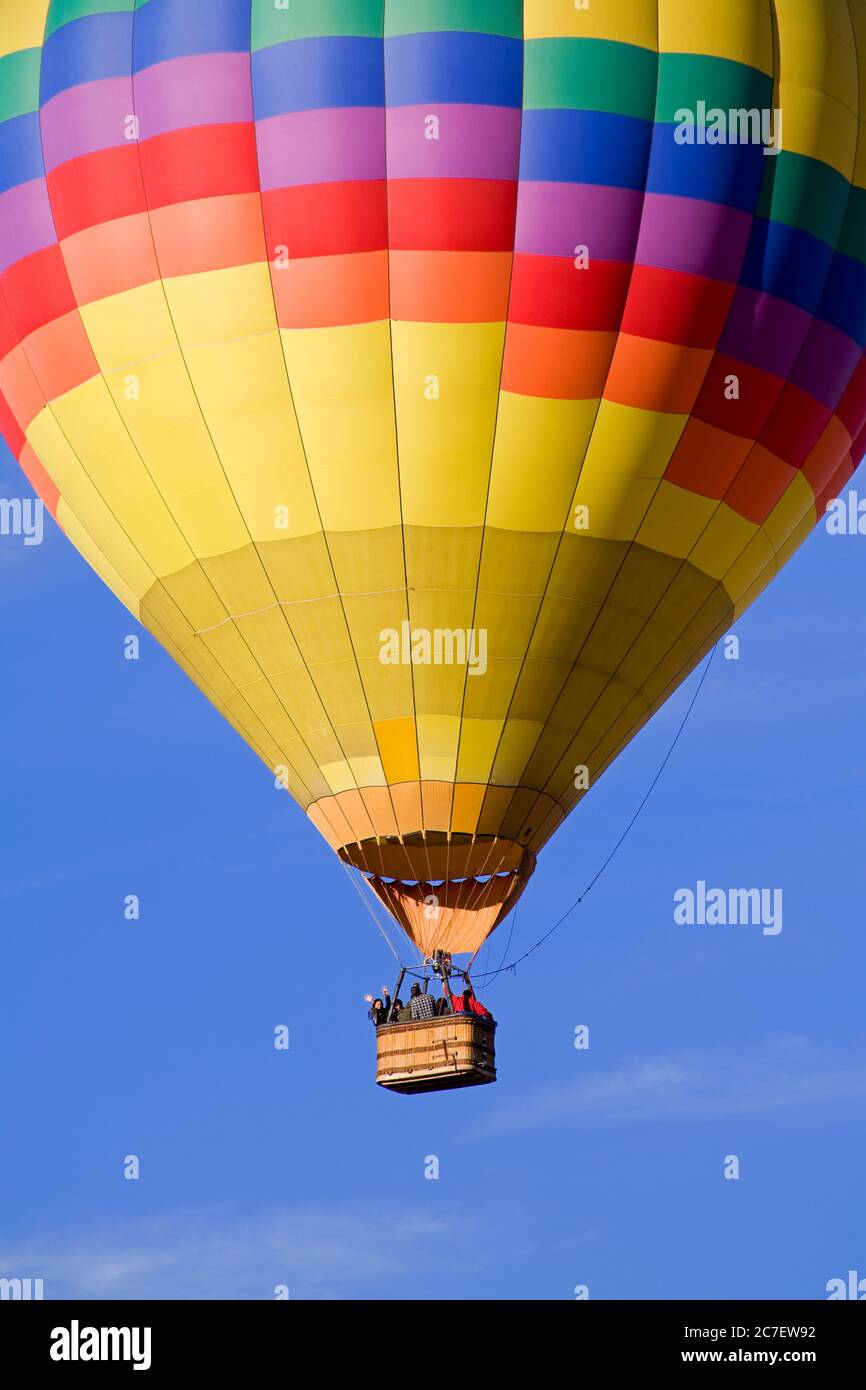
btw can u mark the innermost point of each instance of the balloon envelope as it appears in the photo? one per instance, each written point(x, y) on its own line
point(436, 379)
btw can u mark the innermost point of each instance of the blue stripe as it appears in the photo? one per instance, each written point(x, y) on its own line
point(728, 174)
point(20, 151)
point(585, 147)
point(166, 29)
point(85, 51)
point(318, 74)
point(476, 69)
point(786, 262)
point(844, 301)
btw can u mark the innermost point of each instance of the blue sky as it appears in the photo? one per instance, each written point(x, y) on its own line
point(262, 1168)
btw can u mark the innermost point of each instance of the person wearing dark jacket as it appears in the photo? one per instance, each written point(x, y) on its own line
point(379, 1008)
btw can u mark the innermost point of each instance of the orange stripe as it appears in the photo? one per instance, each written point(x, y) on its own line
point(559, 363)
point(20, 387)
point(652, 375)
point(450, 286)
point(331, 291)
point(110, 258)
point(209, 234)
point(40, 480)
point(61, 356)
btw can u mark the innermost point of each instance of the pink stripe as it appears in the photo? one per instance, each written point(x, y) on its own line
point(207, 89)
point(323, 146)
point(456, 142)
point(26, 224)
point(84, 119)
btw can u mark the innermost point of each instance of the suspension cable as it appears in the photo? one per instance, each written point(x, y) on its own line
point(491, 975)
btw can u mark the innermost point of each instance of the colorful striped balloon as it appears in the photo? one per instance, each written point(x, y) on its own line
point(436, 379)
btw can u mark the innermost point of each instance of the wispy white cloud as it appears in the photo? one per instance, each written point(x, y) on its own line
point(213, 1253)
point(785, 1073)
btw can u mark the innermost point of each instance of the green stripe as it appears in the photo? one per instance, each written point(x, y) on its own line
point(804, 193)
point(589, 75)
point(852, 239)
point(687, 78)
point(65, 11)
point(19, 83)
point(311, 19)
point(466, 16)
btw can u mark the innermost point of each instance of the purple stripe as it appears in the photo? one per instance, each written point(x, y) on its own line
point(207, 89)
point(26, 224)
point(326, 146)
point(826, 364)
point(764, 331)
point(555, 218)
point(466, 142)
point(83, 119)
point(688, 234)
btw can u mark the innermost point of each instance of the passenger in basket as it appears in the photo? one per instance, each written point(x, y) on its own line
point(421, 1004)
point(466, 1003)
point(379, 1008)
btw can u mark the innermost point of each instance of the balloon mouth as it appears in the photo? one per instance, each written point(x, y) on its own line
point(432, 857)
point(446, 895)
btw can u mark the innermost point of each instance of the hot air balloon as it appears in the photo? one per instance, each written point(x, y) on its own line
point(437, 380)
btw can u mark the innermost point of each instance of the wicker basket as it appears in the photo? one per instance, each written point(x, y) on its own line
point(436, 1054)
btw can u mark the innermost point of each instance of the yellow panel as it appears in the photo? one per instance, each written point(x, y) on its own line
point(341, 384)
point(675, 520)
point(83, 541)
point(22, 24)
point(244, 392)
point(90, 511)
point(740, 30)
point(627, 21)
point(437, 745)
point(398, 746)
point(817, 127)
point(756, 557)
point(446, 390)
point(554, 434)
point(628, 453)
point(816, 41)
point(169, 432)
point(479, 739)
point(724, 540)
point(519, 737)
point(89, 419)
point(797, 501)
point(126, 329)
point(219, 305)
point(339, 776)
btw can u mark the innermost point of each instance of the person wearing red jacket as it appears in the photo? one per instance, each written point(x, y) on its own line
point(465, 1003)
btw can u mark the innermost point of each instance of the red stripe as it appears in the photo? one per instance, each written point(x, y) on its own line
point(96, 188)
point(676, 307)
point(451, 214)
point(852, 407)
point(10, 428)
point(179, 167)
point(201, 162)
point(37, 290)
point(795, 425)
point(548, 292)
point(327, 219)
point(9, 335)
point(747, 416)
